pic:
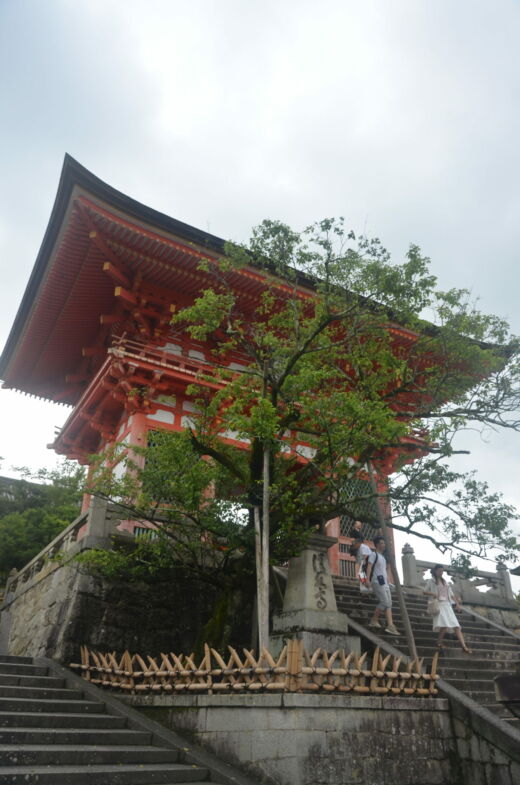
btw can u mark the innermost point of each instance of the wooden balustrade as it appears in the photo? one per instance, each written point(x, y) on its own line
point(294, 670)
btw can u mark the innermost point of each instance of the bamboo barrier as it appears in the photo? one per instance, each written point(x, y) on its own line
point(294, 670)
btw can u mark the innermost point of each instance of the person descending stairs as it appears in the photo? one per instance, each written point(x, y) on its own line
point(494, 650)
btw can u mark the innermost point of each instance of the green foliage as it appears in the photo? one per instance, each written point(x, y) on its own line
point(462, 564)
point(348, 358)
point(33, 511)
point(149, 561)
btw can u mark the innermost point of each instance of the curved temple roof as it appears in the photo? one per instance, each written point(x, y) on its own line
point(69, 288)
point(109, 273)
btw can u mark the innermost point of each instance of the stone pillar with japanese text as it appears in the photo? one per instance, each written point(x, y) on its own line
point(310, 612)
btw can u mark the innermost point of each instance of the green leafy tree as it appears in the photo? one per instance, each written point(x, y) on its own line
point(343, 362)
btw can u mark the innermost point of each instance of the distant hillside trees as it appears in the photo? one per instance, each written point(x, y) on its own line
point(34, 509)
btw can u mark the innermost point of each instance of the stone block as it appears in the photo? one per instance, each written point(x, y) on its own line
point(236, 720)
point(286, 771)
point(311, 744)
point(496, 756)
point(450, 767)
point(473, 773)
point(192, 720)
point(268, 743)
point(332, 720)
point(484, 750)
point(462, 731)
point(498, 775)
point(308, 619)
point(474, 748)
point(349, 701)
point(235, 748)
point(248, 699)
point(432, 772)
point(514, 770)
point(282, 719)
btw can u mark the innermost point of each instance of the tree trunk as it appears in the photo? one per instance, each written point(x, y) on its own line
point(261, 599)
point(265, 544)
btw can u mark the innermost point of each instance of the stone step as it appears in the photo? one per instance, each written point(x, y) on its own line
point(369, 601)
point(425, 624)
point(495, 650)
point(16, 679)
point(14, 658)
point(427, 635)
point(22, 669)
point(426, 628)
point(482, 697)
point(476, 685)
point(467, 674)
point(419, 615)
point(451, 637)
point(455, 658)
point(72, 735)
point(148, 774)
point(499, 709)
point(43, 719)
point(39, 693)
point(85, 755)
point(58, 706)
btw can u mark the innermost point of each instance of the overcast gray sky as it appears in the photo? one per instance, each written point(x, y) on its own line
point(401, 115)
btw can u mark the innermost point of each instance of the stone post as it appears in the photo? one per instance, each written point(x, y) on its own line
point(5, 614)
point(309, 610)
point(505, 581)
point(410, 577)
point(97, 529)
point(13, 574)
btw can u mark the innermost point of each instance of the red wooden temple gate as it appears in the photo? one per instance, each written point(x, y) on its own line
point(93, 330)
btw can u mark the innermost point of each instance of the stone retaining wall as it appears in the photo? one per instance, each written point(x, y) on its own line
point(510, 619)
point(63, 606)
point(296, 739)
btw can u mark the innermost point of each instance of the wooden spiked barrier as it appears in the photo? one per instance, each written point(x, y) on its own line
point(294, 670)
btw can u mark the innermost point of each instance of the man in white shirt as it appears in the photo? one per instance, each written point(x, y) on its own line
point(378, 580)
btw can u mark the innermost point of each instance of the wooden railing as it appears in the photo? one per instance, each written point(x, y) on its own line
point(294, 670)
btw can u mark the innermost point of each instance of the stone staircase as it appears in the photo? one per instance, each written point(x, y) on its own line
point(494, 650)
point(52, 732)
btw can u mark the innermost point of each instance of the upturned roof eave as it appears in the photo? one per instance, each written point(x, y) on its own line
point(74, 174)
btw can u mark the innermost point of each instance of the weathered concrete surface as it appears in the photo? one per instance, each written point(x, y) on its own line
point(297, 739)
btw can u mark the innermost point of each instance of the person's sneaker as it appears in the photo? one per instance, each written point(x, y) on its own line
point(392, 630)
point(374, 623)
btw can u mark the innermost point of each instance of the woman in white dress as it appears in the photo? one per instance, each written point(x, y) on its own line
point(445, 618)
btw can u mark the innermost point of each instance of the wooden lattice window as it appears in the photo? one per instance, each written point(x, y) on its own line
point(347, 569)
point(144, 532)
point(357, 494)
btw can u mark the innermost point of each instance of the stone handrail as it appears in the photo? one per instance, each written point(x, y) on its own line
point(92, 528)
point(500, 593)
